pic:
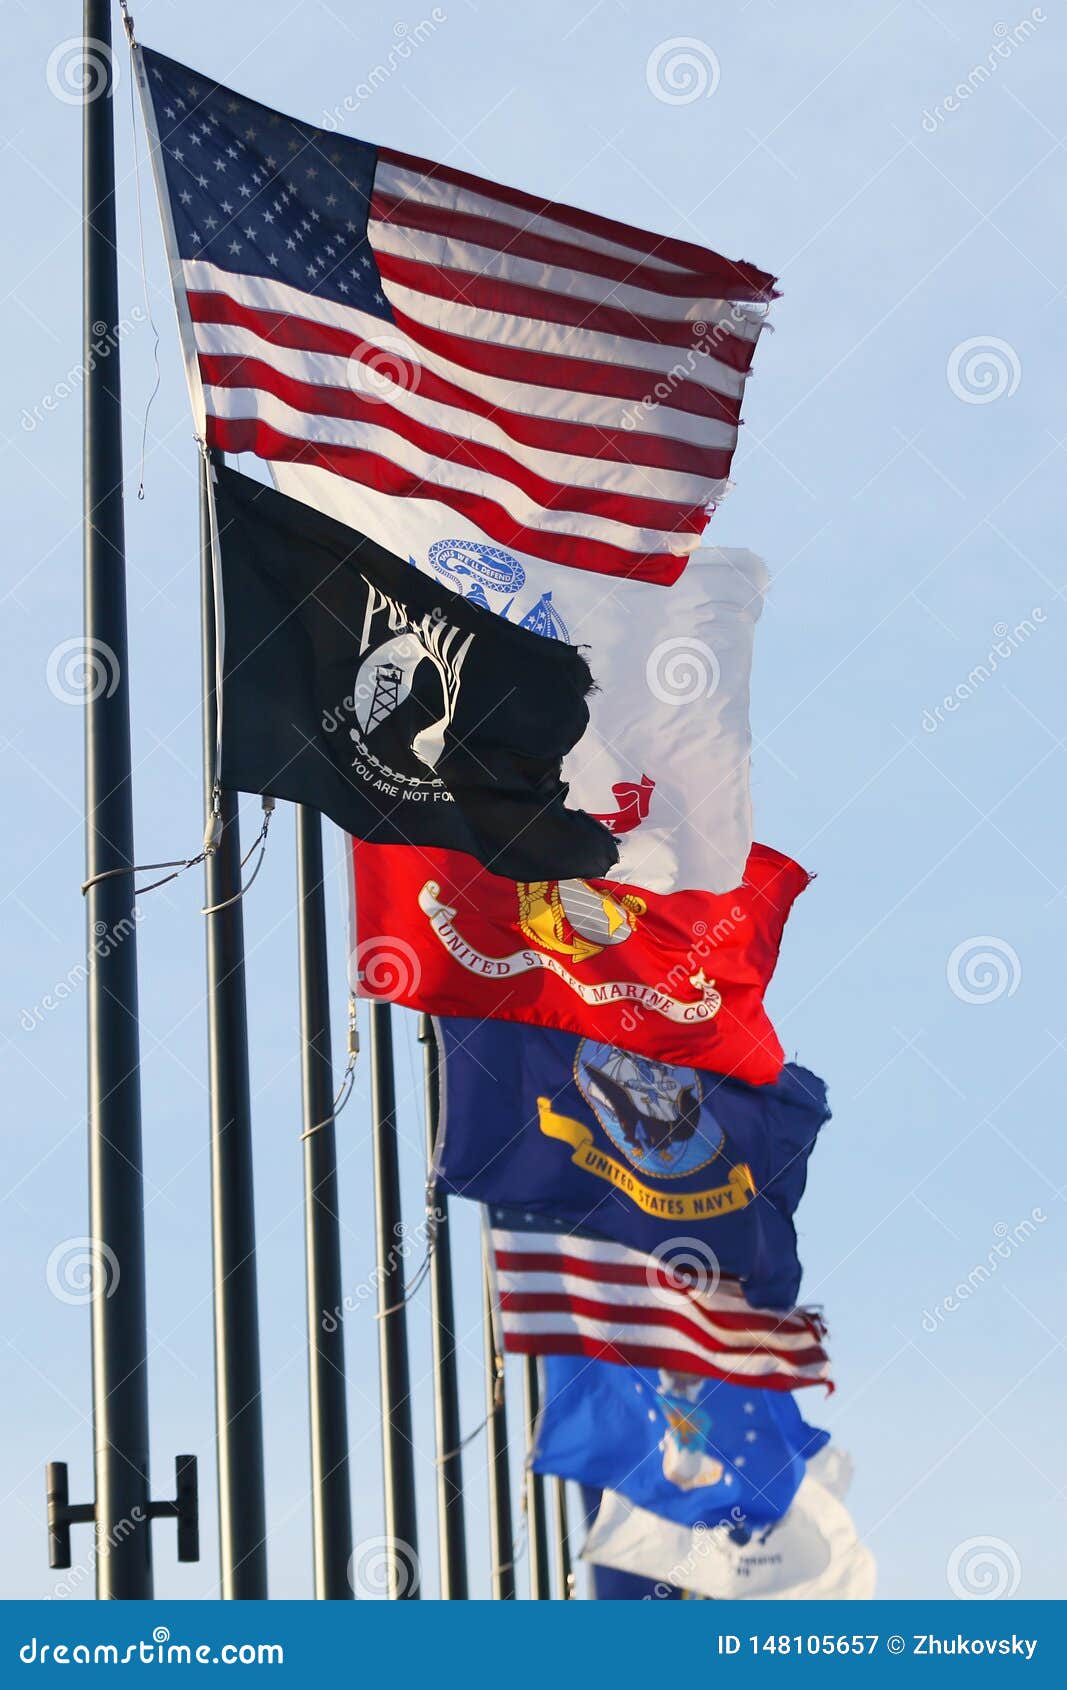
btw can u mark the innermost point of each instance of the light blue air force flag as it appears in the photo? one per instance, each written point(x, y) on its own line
point(696, 1451)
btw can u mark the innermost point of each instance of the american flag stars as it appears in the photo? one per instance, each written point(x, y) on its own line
point(522, 338)
point(317, 198)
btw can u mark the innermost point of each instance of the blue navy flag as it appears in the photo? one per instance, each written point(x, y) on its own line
point(696, 1451)
point(609, 1585)
point(643, 1154)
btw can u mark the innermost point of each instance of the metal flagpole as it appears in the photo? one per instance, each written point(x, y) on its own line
point(116, 1183)
point(564, 1575)
point(451, 1527)
point(238, 1408)
point(501, 1530)
point(331, 1505)
point(536, 1520)
point(401, 1529)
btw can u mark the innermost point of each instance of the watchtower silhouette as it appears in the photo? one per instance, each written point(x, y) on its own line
point(385, 696)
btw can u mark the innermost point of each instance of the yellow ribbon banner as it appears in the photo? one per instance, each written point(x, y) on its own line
point(687, 1205)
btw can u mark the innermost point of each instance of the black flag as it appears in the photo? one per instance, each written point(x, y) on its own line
point(356, 685)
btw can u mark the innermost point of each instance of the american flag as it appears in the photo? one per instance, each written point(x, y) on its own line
point(569, 385)
point(563, 1292)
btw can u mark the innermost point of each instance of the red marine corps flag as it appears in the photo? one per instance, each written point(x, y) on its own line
point(678, 977)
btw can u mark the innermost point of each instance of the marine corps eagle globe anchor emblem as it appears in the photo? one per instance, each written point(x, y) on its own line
point(571, 917)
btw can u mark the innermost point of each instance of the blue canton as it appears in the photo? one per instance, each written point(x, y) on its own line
point(259, 194)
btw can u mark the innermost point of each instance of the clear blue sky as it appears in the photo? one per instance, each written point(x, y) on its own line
point(908, 514)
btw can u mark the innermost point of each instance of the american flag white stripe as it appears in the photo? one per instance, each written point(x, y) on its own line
point(460, 304)
point(459, 190)
point(512, 401)
point(346, 417)
point(569, 1294)
point(242, 350)
point(400, 182)
point(448, 253)
point(776, 1336)
point(511, 475)
point(648, 361)
point(566, 383)
point(420, 463)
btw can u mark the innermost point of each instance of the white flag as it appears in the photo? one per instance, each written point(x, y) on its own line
point(811, 1554)
point(665, 761)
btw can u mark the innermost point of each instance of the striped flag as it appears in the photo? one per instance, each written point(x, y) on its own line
point(417, 350)
point(570, 1293)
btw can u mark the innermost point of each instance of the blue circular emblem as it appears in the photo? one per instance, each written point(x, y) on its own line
point(476, 569)
point(655, 1115)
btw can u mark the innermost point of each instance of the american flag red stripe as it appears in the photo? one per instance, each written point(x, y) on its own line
point(525, 243)
point(233, 370)
point(249, 435)
point(423, 178)
point(567, 383)
point(570, 1294)
point(286, 329)
point(305, 396)
point(546, 520)
point(497, 293)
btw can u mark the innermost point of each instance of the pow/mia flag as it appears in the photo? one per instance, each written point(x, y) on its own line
point(407, 714)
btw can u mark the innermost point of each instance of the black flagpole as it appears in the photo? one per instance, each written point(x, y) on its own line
point(501, 1529)
point(331, 1505)
point(238, 1408)
point(564, 1575)
point(401, 1529)
point(116, 1183)
point(451, 1526)
point(536, 1520)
